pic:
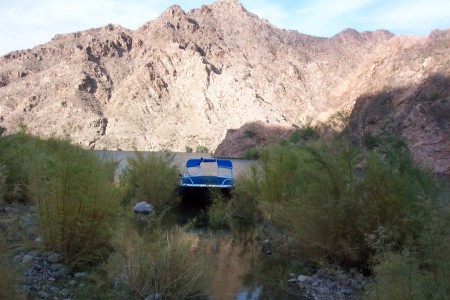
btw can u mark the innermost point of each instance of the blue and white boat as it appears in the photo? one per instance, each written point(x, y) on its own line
point(208, 173)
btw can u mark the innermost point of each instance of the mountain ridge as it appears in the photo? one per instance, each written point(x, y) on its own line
point(184, 78)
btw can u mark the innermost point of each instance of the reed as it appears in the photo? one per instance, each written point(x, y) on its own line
point(152, 178)
point(165, 263)
point(76, 199)
point(332, 200)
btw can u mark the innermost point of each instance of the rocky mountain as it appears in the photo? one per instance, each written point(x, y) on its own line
point(184, 78)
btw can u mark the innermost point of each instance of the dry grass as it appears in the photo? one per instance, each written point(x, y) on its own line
point(76, 201)
point(161, 262)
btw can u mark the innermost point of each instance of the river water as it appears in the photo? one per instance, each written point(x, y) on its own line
point(239, 165)
point(233, 257)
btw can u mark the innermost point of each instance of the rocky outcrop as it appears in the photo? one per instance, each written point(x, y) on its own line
point(410, 98)
point(184, 78)
point(250, 135)
point(180, 80)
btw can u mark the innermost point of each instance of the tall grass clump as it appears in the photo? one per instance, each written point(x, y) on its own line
point(164, 263)
point(15, 151)
point(414, 273)
point(9, 281)
point(3, 175)
point(241, 208)
point(76, 200)
point(152, 178)
point(332, 201)
point(218, 211)
point(252, 153)
point(421, 269)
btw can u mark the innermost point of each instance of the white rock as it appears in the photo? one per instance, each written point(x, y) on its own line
point(143, 208)
point(303, 278)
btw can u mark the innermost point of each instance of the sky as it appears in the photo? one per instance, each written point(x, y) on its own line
point(28, 23)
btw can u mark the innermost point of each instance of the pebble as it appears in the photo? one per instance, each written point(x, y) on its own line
point(54, 258)
point(72, 282)
point(327, 284)
point(43, 295)
point(27, 258)
point(80, 275)
point(155, 296)
point(303, 278)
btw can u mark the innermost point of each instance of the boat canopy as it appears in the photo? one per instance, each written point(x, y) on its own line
point(221, 163)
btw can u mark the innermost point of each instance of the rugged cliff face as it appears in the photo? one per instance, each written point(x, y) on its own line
point(185, 78)
point(407, 92)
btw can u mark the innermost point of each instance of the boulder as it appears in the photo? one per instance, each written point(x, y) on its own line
point(143, 208)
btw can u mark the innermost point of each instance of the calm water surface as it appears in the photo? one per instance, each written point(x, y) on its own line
point(239, 165)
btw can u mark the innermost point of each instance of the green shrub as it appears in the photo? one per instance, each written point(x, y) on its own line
point(3, 176)
point(201, 149)
point(251, 153)
point(218, 211)
point(9, 282)
point(421, 270)
point(371, 141)
point(303, 134)
point(249, 133)
point(188, 149)
point(331, 208)
point(76, 200)
point(406, 276)
point(152, 178)
point(15, 153)
point(163, 263)
point(241, 209)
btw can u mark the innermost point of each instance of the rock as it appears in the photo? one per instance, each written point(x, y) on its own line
point(27, 258)
point(72, 282)
point(302, 278)
point(292, 275)
point(322, 273)
point(292, 281)
point(80, 275)
point(347, 291)
point(34, 252)
point(155, 296)
point(61, 272)
point(43, 295)
point(354, 284)
point(99, 109)
point(143, 208)
point(55, 266)
point(28, 220)
point(17, 259)
point(54, 258)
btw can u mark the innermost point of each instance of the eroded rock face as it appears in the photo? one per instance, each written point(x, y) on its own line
point(250, 135)
point(184, 78)
point(410, 98)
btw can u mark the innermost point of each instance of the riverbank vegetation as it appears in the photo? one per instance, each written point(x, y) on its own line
point(318, 200)
point(152, 178)
point(79, 216)
point(370, 209)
